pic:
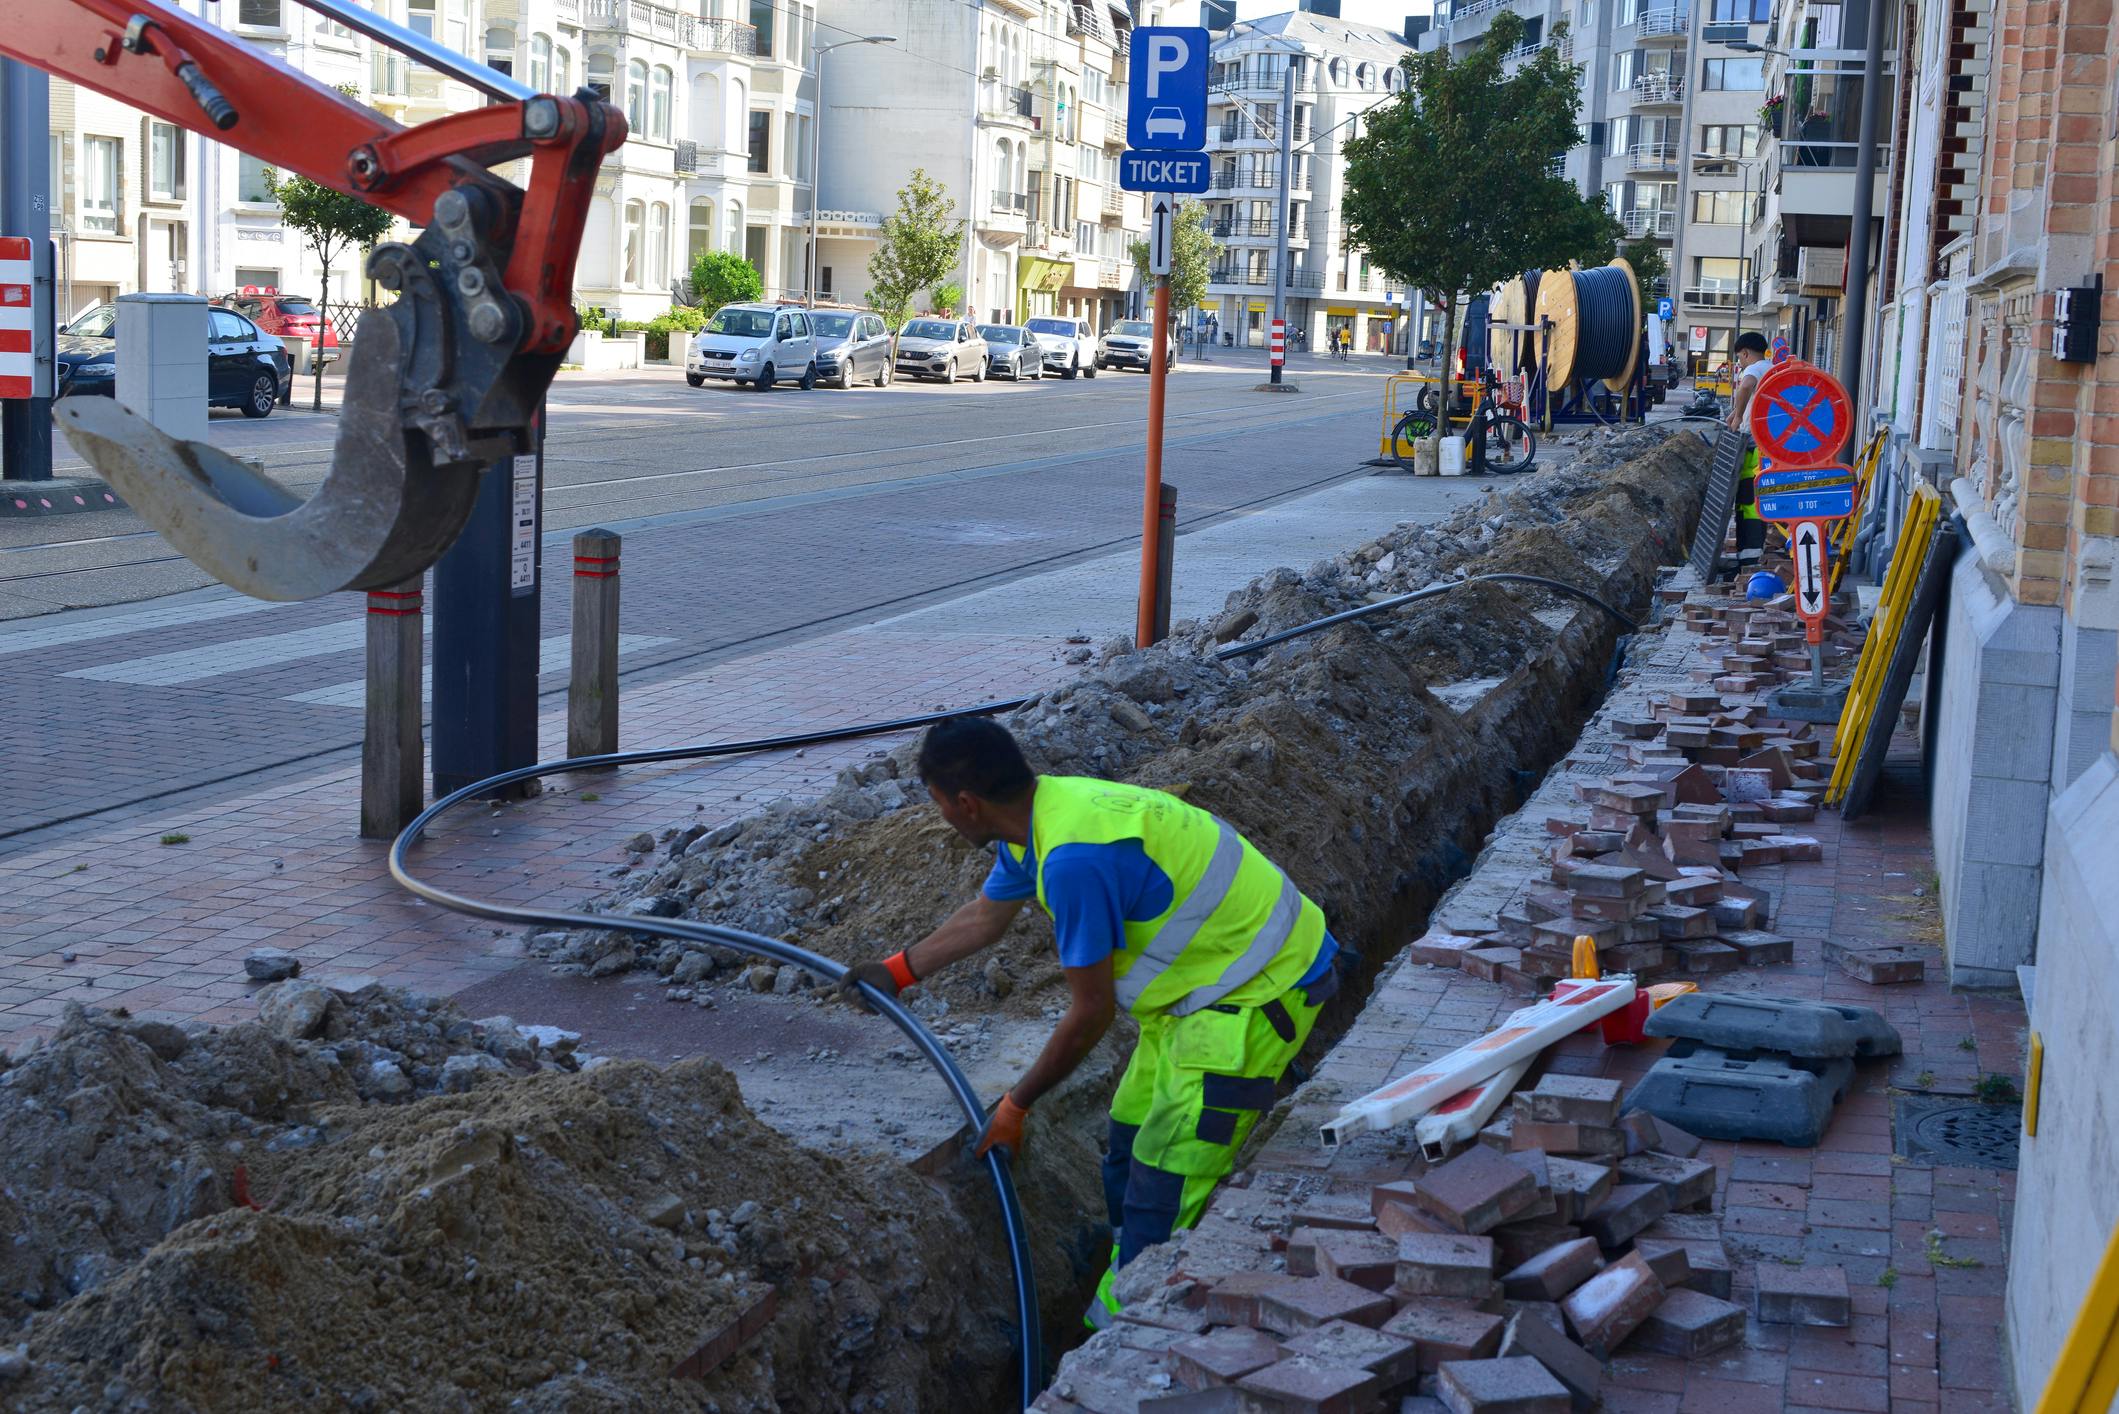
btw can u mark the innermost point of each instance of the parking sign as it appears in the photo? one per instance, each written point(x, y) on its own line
point(1166, 89)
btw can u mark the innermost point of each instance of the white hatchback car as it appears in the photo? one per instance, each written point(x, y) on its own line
point(758, 344)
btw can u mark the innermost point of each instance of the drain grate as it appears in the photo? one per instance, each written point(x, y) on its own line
point(1936, 1130)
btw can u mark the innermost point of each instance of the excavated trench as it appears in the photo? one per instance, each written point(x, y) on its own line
point(257, 1220)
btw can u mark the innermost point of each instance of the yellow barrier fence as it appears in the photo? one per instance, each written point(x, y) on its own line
point(1884, 628)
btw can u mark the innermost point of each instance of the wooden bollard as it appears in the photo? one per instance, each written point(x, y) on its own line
point(592, 689)
point(393, 751)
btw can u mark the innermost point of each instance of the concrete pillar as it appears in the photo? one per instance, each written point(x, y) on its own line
point(162, 361)
point(393, 749)
point(592, 689)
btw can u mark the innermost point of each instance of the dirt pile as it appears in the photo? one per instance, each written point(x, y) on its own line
point(550, 1241)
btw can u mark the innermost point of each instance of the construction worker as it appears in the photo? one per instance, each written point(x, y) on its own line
point(1750, 368)
point(1158, 907)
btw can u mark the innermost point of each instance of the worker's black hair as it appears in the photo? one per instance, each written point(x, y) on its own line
point(976, 755)
point(1752, 341)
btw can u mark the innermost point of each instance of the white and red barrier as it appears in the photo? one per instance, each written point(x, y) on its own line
point(17, 304)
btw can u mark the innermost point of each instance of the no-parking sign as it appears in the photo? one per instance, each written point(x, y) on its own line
point(1800, 416)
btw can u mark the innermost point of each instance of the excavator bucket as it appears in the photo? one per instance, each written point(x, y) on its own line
point(384, 513)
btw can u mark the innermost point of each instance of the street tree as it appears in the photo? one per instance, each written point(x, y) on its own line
point(1191, 256)
point(723, 277)
point(1449, 186)
point(920, 244)
point(1648, 262)
point(330, 221)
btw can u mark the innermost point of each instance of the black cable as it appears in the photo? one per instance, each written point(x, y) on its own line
point(1603, 316)
point(831, 970)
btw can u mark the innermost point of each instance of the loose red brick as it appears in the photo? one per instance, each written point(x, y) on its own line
point(1734, 914)
point(1599, 880)
point(1760, 949)
point(1498, 1133)
point(1605, 1309)
point(1486, 963)
point(1233, 1301)
point(1627, 1209)
point(1222, 1357)
point(1576, 1099)
point(1697, 959)
point(1535, 1163)
point(1338, 1210)
point(1693, 892)
point(1554, 1272)
point(1606, 910)
point(1670, 1261)
point(1443, 949)
point(1517, 1385)
point(1304, 1386)
point(1577, 1186)
point(1477, 1190)
point(1398, 1219)
point(1367, 1259)
point(1293, 1304)
point(1565, 1361)
point(1547, 1312)
point(1689, 1325)
point(1517, 1243)
point(1301, 1251)
point(1446, 1332)
point(1222, 1399)
point(1689, 1182)
point(1878, 966)
point(1393, 1360)
point(1676, 1142)
point(1708, 1265)
point(732, 1337)
point(1803, 1296)
point(1452, 1264)
point(1382, 1195)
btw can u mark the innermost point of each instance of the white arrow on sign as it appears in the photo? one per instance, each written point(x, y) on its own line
point(1809, 569)
point(1160, 207)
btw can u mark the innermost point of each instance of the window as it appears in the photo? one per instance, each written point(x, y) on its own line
point(1084, 237)
point(1092, 86)
point(419, 17)
point(253, 180)
point(702, 230)
point(1365, 76)
point(762, 15)
point(263, 14)
point(541, 63)
point(735, 225)
point(1625, 68)
point(1737, 12)
point(658, 104)
point(658, 246)
point(1629, 11)
point(635, 234)
point(1721, 208)
point(761, 139)
point(102, 162)
point(600, 75)
point(256, 276)
point(1733, 74)
point(1338, 72)
point(165, 147)
point(58, 171)
point(226, 325)
point(636, 97)
point(1729, 139)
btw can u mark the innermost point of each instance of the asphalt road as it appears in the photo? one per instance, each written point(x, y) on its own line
point(749, 518)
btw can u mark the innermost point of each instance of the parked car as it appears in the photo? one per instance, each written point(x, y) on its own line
point(276, 313)
point(852, 347)
point(942, 348)
point(758, 344)
point(246, 368)
point(1013, 351)
point(1069, 344)
point(1130, 343)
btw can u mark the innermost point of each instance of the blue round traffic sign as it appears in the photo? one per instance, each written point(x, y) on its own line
point(1799, 416)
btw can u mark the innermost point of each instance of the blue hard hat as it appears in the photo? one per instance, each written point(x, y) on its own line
point(1764, 585)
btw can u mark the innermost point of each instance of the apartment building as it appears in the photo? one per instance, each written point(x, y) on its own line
point(1341, 69)
point(1017, 107)
point(1719, 161)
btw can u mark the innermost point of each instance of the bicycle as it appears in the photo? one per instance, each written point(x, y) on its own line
point(1499, 442)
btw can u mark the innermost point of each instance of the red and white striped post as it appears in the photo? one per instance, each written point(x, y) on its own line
point(393, 751)
point(1279, 346)
point(17, 309)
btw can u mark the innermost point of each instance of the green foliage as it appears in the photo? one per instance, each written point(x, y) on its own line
point(176, 839)
point(1191, 256)
point(329, 220)
point(920, 244)
point(688, 318)
point(948, 297)
point(1648, 262)
point(1994, 1090)
point(1449, 187)
point(723, 277)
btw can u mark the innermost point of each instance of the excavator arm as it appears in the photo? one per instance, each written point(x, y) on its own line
point(443, 381)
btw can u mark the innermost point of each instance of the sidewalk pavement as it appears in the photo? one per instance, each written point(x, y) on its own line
point(154, 907)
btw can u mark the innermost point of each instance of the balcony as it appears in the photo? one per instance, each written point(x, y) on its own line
point(1260, 277)
point(1658, 91)
point(1714, 294)
point(1110, 275)
point(1652, 157)
point(1114, 204)
point(1647, 222)
point(389, 76)
point(1004, 102)
point(718, 37)
point(694, 160)
point(1247, 130)
point(569, 11)
point(1564, 43)
point(1244, 226)
point(1664, 24)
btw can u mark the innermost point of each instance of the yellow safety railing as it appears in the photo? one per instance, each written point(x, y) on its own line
point(1406, 386)
point(2085, 1378)
point(1884, 628)
point(1844, 530)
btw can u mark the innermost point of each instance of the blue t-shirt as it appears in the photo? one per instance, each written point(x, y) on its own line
point(1094, 890)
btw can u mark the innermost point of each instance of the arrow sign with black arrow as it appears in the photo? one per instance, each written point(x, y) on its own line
point(1161, 206)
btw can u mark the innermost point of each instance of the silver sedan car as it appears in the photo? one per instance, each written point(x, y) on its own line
point(1012, 351)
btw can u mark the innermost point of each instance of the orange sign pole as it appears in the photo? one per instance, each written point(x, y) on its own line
point(1151, 512)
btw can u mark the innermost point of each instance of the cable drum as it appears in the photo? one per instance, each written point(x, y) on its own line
point(1608, 309)
point(1503, 344)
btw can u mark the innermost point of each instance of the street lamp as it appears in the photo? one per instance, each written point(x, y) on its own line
point(816, 158)
point(1701, 162)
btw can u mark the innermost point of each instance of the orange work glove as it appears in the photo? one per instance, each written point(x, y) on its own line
point(1005, 1128)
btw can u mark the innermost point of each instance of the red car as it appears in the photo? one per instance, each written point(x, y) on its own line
point(276, 313)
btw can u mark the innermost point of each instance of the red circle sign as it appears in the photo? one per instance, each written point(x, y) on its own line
point(1800, 417)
